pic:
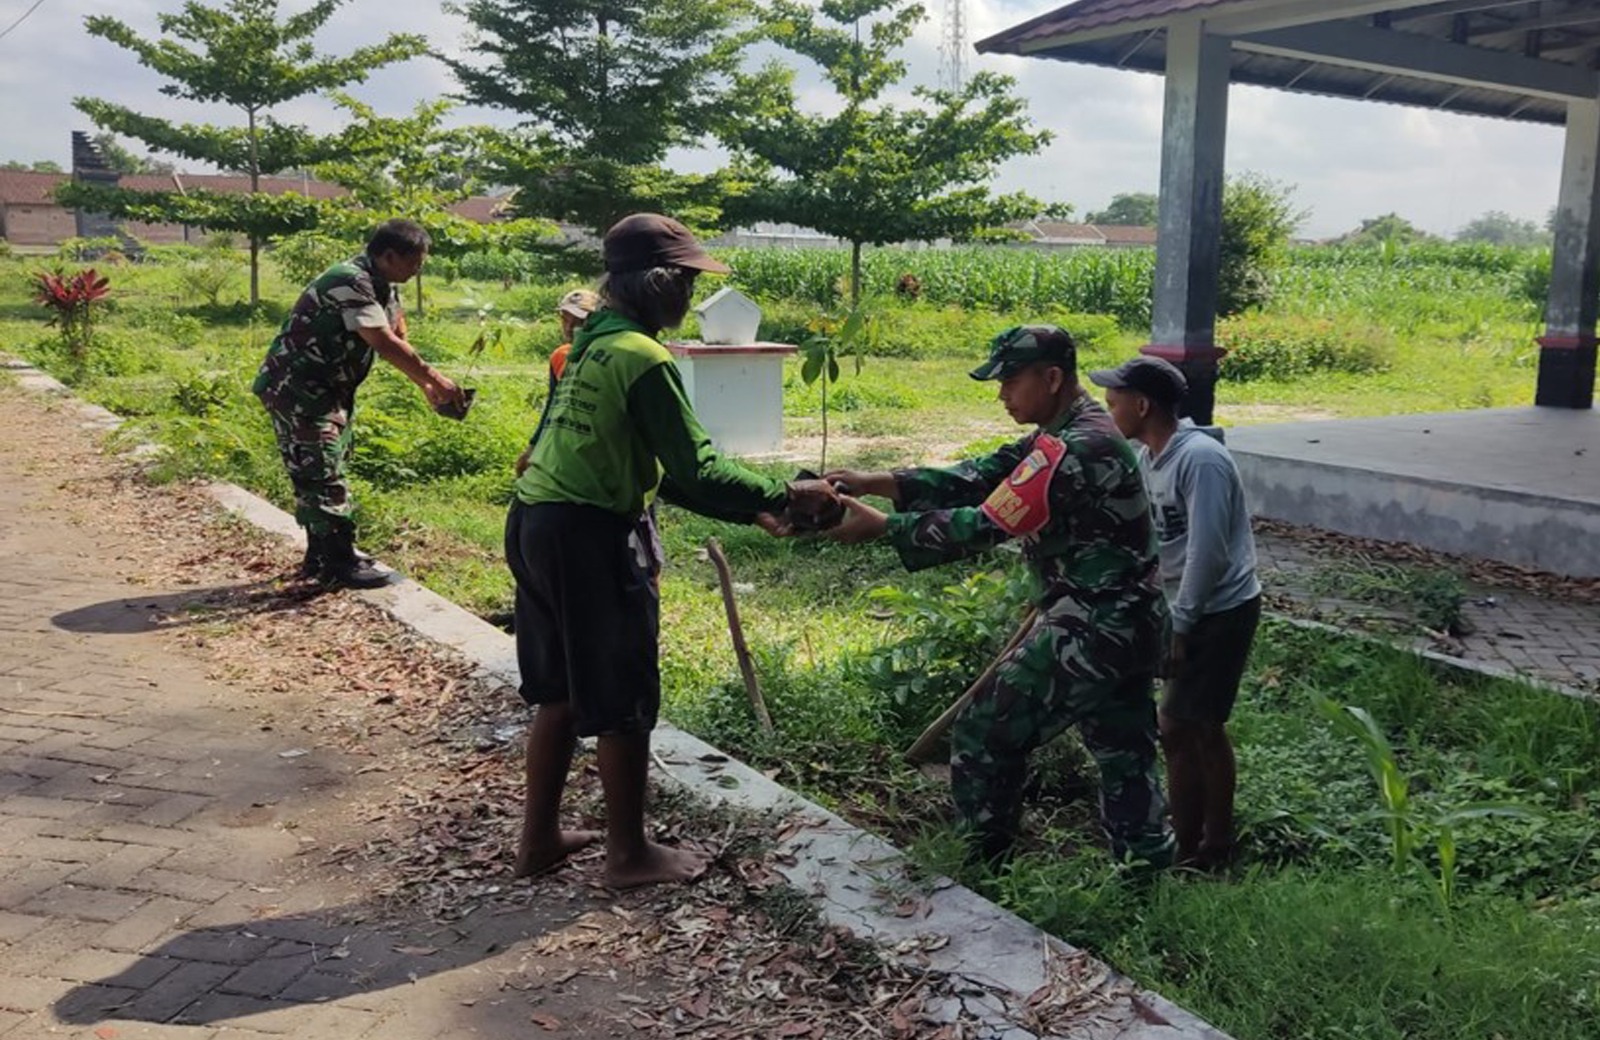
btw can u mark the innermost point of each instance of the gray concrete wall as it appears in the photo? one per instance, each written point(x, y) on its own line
point(1531, 530)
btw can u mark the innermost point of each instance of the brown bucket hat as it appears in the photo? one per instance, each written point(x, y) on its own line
point(645, 240)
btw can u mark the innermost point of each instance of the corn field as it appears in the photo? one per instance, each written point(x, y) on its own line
point(1409, 284)
point(1088, 281)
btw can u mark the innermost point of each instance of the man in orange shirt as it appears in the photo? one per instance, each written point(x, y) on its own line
point(574, 309)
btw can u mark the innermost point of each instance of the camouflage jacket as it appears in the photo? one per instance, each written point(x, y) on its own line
point(318, 358)
point(1073, 494)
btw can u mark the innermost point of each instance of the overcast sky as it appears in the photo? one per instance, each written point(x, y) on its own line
point(1347, 160)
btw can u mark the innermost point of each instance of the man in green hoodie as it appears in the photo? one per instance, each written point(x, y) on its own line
point(587, 615)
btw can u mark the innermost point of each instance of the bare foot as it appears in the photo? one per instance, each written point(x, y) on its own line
point(538, 857)
point(657, 865)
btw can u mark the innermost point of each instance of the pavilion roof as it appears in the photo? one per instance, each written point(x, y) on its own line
point(1512, 60)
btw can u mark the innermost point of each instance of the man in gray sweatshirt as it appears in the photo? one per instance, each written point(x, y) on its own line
point(1208, 566)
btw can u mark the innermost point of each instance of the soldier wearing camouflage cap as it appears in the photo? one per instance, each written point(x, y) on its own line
point(1071, 492)
point(347, 315)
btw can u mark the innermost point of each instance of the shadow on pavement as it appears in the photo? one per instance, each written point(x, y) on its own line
point(279, 966)
point(138, 614)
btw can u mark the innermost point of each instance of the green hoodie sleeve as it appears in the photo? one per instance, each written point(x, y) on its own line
point(700, 478)
point(672, 494)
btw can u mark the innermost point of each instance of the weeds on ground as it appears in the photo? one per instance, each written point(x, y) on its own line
point(1433, 597)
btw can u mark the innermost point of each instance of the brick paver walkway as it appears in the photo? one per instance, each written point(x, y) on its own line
point(151, 819)
point(1512, 632)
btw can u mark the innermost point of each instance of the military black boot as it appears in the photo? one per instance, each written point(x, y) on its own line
point(311, 566)
point(343, 565)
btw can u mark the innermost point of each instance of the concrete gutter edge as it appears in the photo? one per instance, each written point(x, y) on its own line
point(855, 878)
point(1485, 492)
point(1440, 661)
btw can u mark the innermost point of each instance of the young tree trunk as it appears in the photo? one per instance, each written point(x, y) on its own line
point(823, 467)
point(255, 270)
point(855, 275)
point(255, 187)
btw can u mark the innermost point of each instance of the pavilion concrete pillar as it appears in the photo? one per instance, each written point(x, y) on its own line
point(1567, 348)
point(1193, 141)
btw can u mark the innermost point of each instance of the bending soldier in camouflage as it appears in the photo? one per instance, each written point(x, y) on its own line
point(308, 384)
point(1071, 491)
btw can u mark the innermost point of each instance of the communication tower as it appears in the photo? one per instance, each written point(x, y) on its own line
point(953, 46)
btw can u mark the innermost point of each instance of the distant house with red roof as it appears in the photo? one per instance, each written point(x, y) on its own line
point(1059, 234)
point(30, 215)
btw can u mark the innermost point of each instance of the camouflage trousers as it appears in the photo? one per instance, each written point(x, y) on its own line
point(1032, 700)
point(316, 453)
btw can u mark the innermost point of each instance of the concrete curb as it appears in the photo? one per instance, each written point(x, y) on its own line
point(994, 958)
point(1441, 662)
point(854, 877)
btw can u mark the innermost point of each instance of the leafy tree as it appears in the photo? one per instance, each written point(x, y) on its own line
point(1499, 228)
point(122, 160)
point(406, 163)
point(1258, 217)
point(416, 167)
point(37, 166)
point(874, 172)
point(1391, 228)
point(1134, 209)
point(240, 54)
point(605, 88)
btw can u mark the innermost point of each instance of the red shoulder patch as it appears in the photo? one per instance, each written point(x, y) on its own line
point(1021, 504)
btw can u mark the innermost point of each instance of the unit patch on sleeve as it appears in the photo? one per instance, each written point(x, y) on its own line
point(1021, 504)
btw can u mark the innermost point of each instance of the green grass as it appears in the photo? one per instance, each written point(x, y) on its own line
point(1315, 935)
point(1318, 936)
point(1329, 954)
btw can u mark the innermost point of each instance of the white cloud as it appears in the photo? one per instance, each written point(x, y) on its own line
point(1348, 160)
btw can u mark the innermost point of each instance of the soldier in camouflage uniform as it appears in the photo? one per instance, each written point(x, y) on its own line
point(1071, 491)
point(308, 384)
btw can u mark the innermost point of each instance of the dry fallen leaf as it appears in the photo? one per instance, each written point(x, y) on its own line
point(440, 827)
point(699, 1005)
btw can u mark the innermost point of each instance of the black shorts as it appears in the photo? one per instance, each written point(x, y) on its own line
point(587, 617)
point(1215, 654)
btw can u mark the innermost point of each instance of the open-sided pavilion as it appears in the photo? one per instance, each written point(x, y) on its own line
point(1527, 61)
point(1522, 484)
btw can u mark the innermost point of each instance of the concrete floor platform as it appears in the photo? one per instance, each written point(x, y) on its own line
point(1520, 485)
